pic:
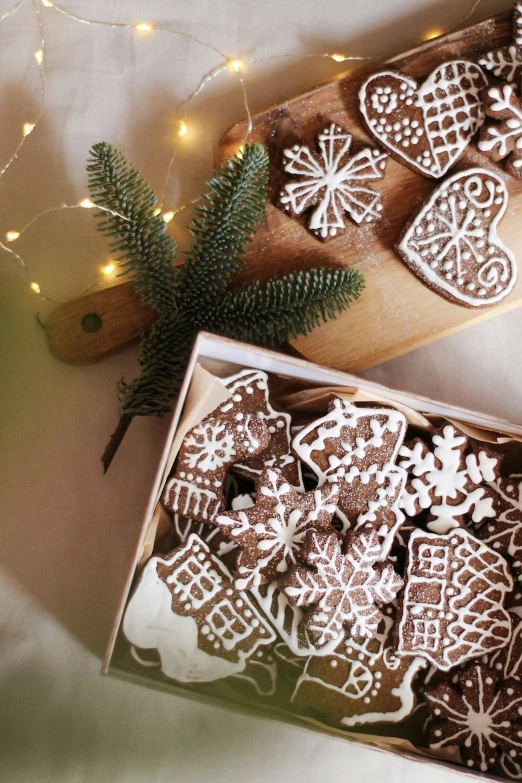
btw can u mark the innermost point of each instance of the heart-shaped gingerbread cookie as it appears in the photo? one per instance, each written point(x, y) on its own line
point(425, 127)
point(452, 244)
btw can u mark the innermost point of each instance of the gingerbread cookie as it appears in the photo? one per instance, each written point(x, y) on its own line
point(332, 181)
point(504, 534)
point(271, 533)
point(425, 127)
point(481, 715)
point(341, 586)
point(502, 140)
point(260, 672)
point(288, 621)
point(217, 542)
point(186, 607)
point(507, 661)
point(505, 62)
point(250, 394)
point(354, 447)
point(452, 609)
point(452, 244)
point(363, 681)
point(206, 455)
point(384, 514)
point(449, 479)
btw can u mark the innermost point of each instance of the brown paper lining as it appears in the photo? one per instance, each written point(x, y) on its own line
point(206, 392)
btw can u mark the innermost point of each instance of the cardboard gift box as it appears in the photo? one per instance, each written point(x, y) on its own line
point(303, 389)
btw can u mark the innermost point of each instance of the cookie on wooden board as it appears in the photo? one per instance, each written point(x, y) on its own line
point(505, 62)
point(427, 126)
point(452, 245)
point(186, 607)
point(501, 138)
point(330, 181)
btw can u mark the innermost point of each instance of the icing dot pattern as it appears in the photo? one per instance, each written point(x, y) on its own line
point(425, 127)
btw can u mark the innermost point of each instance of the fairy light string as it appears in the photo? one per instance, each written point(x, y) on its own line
point(226, 65)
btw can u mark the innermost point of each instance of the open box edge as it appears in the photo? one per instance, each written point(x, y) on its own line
point(209, 346)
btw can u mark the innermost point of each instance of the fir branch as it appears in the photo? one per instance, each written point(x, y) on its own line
point(140, 242)
point(223, 225)
point(196, 296)
point(163, 357)
point(285, 307)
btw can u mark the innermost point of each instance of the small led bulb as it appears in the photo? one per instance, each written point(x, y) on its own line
point(108, 269)
point(167, 216)
point(38, 56)
point(35, 287)
point(182, 130)
point(236, 65)
point(27, 128)
point(12, 235)
point(143, 27)
point(86, 203)
point(339, 58)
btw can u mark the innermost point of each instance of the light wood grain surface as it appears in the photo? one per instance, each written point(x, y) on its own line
point(396, 313)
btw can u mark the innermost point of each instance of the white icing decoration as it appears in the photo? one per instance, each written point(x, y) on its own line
point(343, 421)
point(343, 588)
point(397, 478)
point(459, 234)
point(275, 420)
point(184, 497)
point(151, 623)
point(333, 182)
point(288, 621)
point(451, 571)
point(505, 62)
point(212, 444)
point(504, 139)
point(441, 99)
point(364, 679)
point(280, 536)
point(477, 718)
point(438, 480)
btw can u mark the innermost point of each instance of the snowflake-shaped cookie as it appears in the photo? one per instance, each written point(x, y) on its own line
point(504, 534)
point(272, 532)
point(502, 140)
point(341, 586)
point(482, 716)
point(505, 62)
point(207, 453)
point(332, 181)
point(449, 480)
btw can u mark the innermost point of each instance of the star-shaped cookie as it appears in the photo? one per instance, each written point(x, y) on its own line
point(271, 533)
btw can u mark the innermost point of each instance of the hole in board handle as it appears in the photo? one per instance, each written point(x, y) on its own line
point(91, 323)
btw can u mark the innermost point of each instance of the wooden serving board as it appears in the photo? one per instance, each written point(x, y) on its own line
point(396, 312)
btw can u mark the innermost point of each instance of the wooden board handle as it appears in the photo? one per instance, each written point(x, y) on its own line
point(92, 326)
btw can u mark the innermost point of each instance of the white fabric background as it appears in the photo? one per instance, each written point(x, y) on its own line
point(67, 532)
